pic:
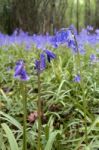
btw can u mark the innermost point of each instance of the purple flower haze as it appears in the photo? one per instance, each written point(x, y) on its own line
point(20, 71)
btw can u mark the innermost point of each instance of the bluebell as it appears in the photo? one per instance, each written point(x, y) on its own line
point(20, 71)
point(77, 78)
point(40, 65)
point(50, 55)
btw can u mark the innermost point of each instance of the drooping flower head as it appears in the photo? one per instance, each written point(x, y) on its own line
point(50, 55)
point(40, 64)
point(20, 71)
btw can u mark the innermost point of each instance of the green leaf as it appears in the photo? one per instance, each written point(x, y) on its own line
point(10, 136)
point(51, 140)
point(89, 130)
point(11, 120)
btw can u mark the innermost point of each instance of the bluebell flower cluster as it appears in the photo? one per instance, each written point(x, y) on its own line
point(20, 72)
point(40, 64)
point(64, 36)
point(68, 37)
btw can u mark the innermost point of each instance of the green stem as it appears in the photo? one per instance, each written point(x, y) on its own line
point(39, 109)
point(85, 116)
point(24, 116)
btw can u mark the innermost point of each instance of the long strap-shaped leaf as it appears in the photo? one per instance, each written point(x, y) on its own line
point(51, 140)
point(10, 136)
point(10, 119)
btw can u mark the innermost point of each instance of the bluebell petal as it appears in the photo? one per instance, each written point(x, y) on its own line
point(37, 62)
point(19, 66)
point(40, 65)
point(23, 75)
point(42, 62)
point(50, 55)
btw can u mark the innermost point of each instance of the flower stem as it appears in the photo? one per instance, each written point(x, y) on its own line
point(85, 119)
point(24, 96)
point(39, 109)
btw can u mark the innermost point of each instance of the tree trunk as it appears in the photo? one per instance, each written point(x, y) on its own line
point(87, 12)
point(97, 14)
point(78, 16)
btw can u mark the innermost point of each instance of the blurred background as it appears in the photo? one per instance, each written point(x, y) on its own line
point(41, 16)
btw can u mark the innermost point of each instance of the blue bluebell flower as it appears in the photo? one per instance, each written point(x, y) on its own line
point(89, 28)
point(77, 78)
point(82, 52)
point(23, 75)
point(42, 61)
point(20, 71)
point(18, 68)
point(50, 55)
point(81, 49)
point(72, 27)
point(92, 57)
point(72, 45)
point(71, 41)
point(37, 64)
point(40, 65)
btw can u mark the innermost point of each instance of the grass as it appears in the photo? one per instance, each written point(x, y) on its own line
point(63, 126)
